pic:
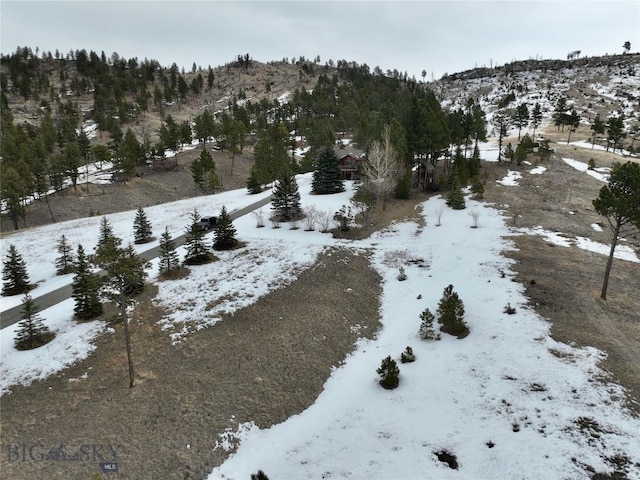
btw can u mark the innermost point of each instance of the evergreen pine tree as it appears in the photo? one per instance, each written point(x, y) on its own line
point(14, 273)
point(286, 199)
point(64, 263)
point(108, 248)
point(477, 188)
point(460, 168)
point(408, 356)
point(427, 331)
point(389, 373)
point(168, 257)
point(253, 184)
point(451, 313)
point(197, 251)
point(106, 239)
point(132, 267)
point(85, 289)
point(210, 176)
point(403, 189)
point(455, 198)
point(259, 476)
point(31, 332)
point(327, 176)
point(225, 232)
point(142, 231)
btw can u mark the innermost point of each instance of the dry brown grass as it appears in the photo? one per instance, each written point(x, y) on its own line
point(270, 360)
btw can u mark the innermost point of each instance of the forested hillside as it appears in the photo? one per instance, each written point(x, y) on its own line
point(132, 112)
point(62, 113)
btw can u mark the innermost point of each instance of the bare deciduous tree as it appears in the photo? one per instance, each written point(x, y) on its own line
point(438, 212)
point(325, 218)
point(382, 168)
point(258, 215)
point(475, 215)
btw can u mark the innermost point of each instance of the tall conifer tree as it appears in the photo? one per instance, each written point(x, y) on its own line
point(168, 257)
point(85, 289)
point(225, 233)
point(327, 176)
point(142, 231)
point(14, 273)
point(31, 332)
point(286, 199)
point(64, 263)
point(197, 250)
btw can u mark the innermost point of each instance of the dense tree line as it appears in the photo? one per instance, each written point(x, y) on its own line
point(349, 99)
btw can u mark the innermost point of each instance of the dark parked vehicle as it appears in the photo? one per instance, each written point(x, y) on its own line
point(207, 223)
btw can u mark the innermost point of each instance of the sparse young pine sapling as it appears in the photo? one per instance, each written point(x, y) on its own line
point(389, 373)
point(427, 332)
point(407, 356)
point(402, 274)
point(509, 310)
point(64, 263)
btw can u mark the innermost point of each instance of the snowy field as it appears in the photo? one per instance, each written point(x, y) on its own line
point(507, 401)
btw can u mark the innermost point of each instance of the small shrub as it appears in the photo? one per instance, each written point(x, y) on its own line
point(389, 373)
point(448, 458)
point(592, 164)
point(324, 220)
point(509, 310)
point(402, 274)
point(258, 215)
point(294, 224)
point(343, 218)
point(311, 216)
point(407, 356)
point(259, 476)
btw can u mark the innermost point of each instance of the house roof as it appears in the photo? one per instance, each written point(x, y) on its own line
point(354, 152)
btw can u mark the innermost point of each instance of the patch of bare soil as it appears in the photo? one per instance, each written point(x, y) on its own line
point(267, 362)
point(270, 360)
point(563, 284)
point(169, 180)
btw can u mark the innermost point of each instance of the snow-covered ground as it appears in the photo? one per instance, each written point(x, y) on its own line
point(508, 401)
